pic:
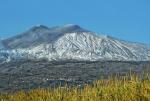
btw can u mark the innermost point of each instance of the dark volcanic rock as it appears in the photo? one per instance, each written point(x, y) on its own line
point(30, 74)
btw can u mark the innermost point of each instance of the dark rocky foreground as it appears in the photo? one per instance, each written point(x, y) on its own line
point(30, 74)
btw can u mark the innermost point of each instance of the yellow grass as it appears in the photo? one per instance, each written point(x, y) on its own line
point(113, 89)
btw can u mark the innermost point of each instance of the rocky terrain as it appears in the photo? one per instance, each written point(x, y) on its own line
point(30, 74)
point(49, 57)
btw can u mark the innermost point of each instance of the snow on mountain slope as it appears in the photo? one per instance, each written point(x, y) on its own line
point(73, 42)
point(39, 34)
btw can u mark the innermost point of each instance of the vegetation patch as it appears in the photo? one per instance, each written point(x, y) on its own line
point(125, 88)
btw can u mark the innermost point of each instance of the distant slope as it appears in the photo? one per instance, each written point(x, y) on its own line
point(38, 35)
point(72, 42)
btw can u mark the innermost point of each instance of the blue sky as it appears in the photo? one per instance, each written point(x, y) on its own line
point(125, 19)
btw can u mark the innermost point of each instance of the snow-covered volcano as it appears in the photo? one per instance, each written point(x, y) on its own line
point(71, 42)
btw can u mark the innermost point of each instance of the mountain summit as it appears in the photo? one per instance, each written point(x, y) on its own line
point(71, 42)
point(40, 34)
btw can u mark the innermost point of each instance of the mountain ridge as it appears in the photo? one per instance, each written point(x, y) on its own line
point(72, 42)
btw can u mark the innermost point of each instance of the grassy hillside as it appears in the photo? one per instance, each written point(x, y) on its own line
point(127, 88)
